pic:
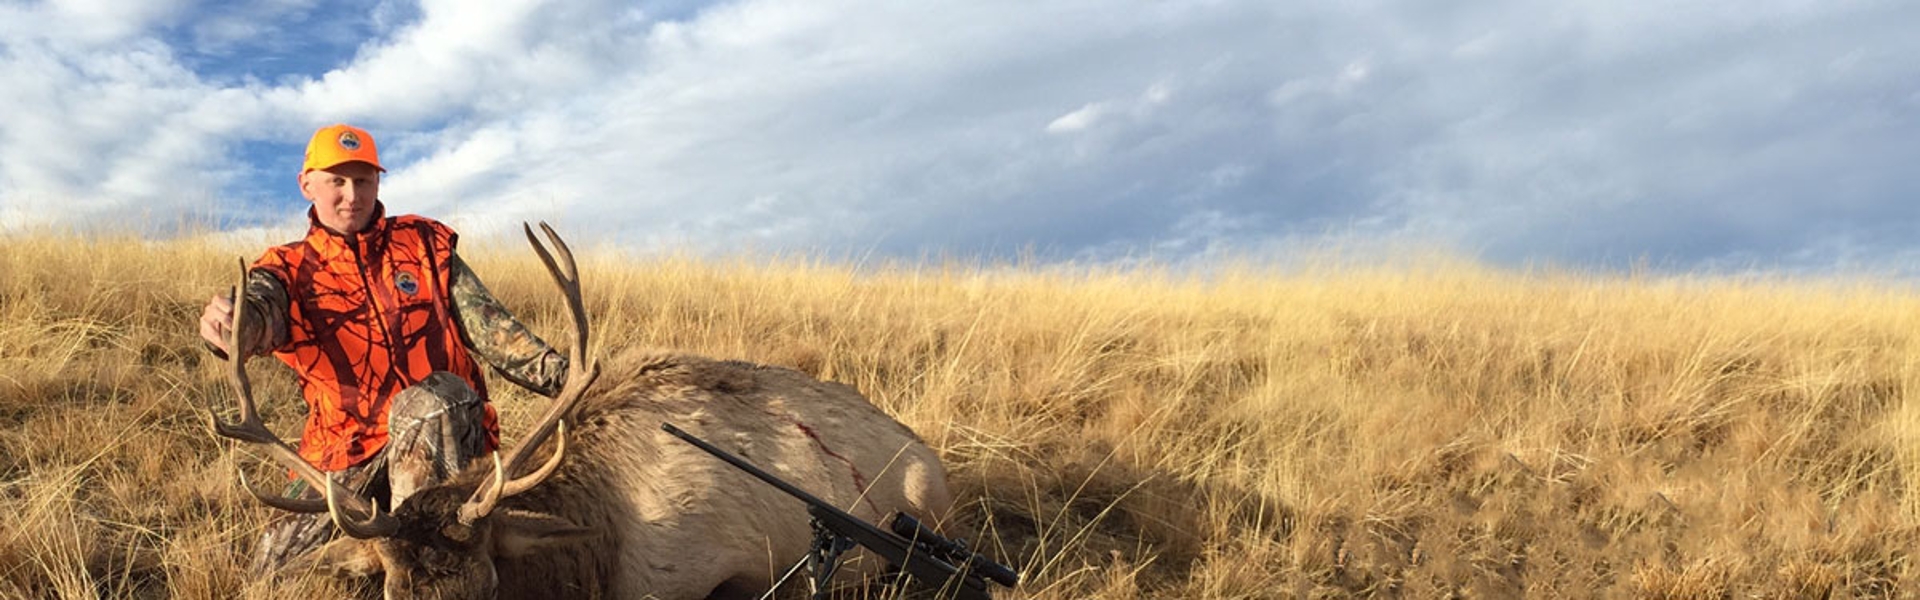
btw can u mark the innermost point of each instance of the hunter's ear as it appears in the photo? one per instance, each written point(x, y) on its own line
point(519, 533)
point(348, 555)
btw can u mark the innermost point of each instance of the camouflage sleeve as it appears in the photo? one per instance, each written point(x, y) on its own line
point(500, 339)
point(267, 300)
point(266, 303)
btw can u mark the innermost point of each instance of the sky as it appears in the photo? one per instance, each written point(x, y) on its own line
point(1764, 134)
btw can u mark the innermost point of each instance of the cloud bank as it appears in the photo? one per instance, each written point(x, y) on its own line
point(1770, 134)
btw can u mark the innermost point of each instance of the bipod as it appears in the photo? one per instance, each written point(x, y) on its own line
point(822, 560)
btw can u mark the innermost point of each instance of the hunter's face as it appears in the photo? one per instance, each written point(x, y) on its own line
point(343, 195)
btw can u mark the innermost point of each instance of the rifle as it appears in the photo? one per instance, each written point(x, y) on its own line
point(910, 546)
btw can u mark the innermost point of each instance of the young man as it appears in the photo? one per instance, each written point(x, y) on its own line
point(382, 322)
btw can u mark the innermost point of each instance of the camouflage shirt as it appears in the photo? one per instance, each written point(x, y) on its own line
point(488, 328)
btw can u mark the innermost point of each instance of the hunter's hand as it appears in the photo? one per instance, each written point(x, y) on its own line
point(215, 320)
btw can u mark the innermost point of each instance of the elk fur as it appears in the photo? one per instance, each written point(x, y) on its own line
point(657, 517)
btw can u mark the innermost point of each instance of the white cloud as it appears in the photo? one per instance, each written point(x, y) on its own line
point(221, 29)
point(1076, 120)
point(109, 138)
point(90, 22)
point(1583, 131)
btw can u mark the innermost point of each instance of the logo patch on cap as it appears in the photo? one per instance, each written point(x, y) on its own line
point(406, 283)
point(349, 141)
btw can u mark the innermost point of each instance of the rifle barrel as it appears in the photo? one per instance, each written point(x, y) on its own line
point(744, 465)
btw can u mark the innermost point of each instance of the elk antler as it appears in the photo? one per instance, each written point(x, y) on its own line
point(580, 375)
point(251, 430)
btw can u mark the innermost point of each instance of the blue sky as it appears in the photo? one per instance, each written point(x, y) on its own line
point(1694, 136)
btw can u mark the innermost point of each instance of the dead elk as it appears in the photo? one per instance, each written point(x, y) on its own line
point(617, 508)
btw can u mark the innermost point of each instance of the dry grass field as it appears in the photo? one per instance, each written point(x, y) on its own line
point(1429, 430)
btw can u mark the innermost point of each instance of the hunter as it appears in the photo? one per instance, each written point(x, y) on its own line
point(385, 328)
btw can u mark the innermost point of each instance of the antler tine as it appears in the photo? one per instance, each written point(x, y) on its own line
point(553, 462)
point(566, 264)
point(567, 275)
point(481, 504)
point(237, 369)
point(249, 427)
point(377, 525)
point(581, 374)
point(485, 497)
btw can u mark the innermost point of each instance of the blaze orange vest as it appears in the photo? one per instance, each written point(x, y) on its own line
point(370, 314)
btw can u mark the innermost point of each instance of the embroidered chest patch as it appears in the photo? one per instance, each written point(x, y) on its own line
point(406, 283)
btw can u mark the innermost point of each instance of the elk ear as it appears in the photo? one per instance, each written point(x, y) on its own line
point(348, 555)
point(519, 533)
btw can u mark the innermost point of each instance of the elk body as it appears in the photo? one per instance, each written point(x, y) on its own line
point(618, 508)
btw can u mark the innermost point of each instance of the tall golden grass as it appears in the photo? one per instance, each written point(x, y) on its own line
point(1427, 430)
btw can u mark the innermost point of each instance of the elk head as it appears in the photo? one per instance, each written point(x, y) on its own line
point(441, 541)
point(440, 549)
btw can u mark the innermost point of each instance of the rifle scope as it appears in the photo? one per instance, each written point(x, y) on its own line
point(952, 551)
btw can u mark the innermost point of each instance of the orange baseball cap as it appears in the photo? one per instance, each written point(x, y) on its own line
point(341, 143)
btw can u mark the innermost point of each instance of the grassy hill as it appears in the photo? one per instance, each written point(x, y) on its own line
point(1427, 430)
